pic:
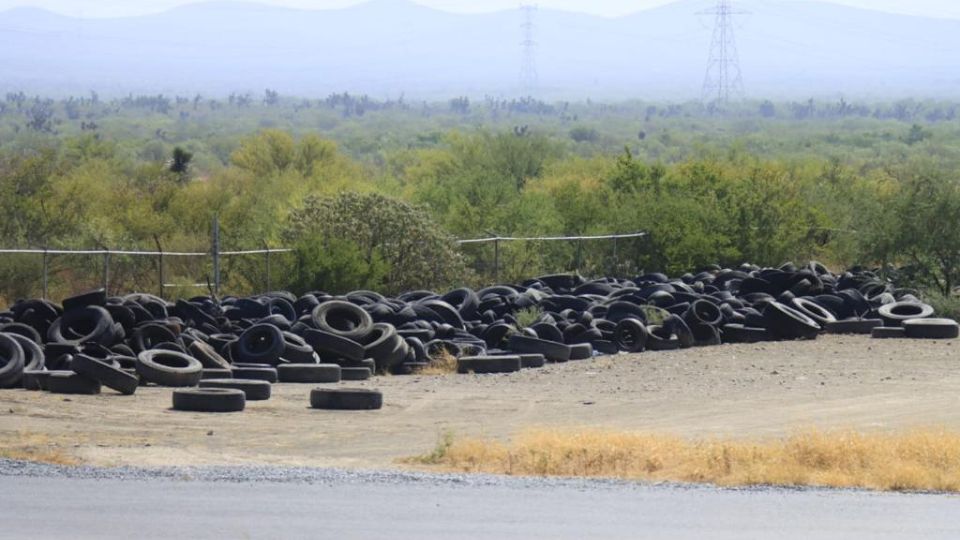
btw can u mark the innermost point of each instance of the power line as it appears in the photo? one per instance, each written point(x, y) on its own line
point(529, 79)
point(723, 80)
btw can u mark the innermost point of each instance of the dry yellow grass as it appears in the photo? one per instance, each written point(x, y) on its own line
point(441, 364)
point(36, 448)
point(927, 460)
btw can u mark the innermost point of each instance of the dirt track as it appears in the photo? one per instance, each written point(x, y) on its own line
point(739, 390)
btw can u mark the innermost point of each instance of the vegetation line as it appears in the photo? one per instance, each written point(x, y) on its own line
point(922, 460)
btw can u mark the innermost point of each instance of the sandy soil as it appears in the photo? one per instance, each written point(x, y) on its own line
point(736, 390)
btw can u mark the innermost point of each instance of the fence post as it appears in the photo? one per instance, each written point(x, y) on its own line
point(616, 261)
point(215, 249)
point(160, 266)
point(46, 269)
point(267, 260)
point(496, 260)
point(579, 254)
point(106, 270)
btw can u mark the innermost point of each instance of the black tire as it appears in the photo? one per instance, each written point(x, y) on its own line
point(71, 383)
point(213, 400)
point(931, 329)
point(606, 347)
point(148, 336)
point(703, 312)
point(786, 323)
point(343, 399)
point(11, 361)
point(297, 351)
point(343, 319)
point(330, 344)
point(309, 373)
point(216, 374)
point(656, 342)
point(355, 373)
point(35, 380)
point(631, 336)
point(815, 311)
point(208, 356)
point(252, 390)
point(168, 368)
point(105, 374)
point(24, 330)
point(853, 326)
point(261, 344)
point(268, 374)
point(581, 351)
point(548, 332)
point(888, 332)
point(738, 333)
point(92, 298)
point(532, 361)
point(91, 324)
point(895, 314)
point(489, 364)
point(33, 357)
point(554, 352)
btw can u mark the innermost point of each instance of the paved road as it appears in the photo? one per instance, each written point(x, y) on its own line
point(39, 507)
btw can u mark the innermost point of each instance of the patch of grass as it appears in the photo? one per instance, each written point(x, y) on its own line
point(914, 461)
point(528, 317)
point(945, 306)
point(443, 363)
point(439, 453)
point(36, 448)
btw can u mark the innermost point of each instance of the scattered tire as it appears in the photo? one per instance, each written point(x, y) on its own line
point(888, 332)
point(328, 343)
point(355, 373)
point(262, 344)
point(489, 364)
point(268, 374)
point(931, 329)
point(71, 383)
point(554, 352)
point(581, 351)
point(853, 326)
point(342, 399)
point(631, 336)
point(784, 322)
point(898, 312)
point(212, 400)
point(252, 390)
point(532, 361)
point(309, 373)
point(11, 361)
point(105, 374)
point(208, 374)
point(168, 368)
point(35, 380)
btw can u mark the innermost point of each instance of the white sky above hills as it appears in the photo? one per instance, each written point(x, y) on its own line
point(122, 8)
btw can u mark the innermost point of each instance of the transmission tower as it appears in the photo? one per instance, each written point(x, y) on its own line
point(529, 80)
point(724, 80)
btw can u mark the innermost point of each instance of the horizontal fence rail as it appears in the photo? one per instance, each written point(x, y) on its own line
point(550, 238)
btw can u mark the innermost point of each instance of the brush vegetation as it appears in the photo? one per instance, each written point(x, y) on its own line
point(926, 460)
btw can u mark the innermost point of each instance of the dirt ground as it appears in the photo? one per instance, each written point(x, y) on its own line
point(734, 391)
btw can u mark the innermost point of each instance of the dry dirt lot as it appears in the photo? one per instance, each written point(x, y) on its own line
point(734, 391)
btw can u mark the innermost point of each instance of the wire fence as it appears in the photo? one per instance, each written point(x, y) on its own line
point(493, 259)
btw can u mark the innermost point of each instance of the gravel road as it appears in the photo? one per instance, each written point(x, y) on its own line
point(41, 501)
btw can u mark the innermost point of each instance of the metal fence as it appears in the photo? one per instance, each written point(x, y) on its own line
point(577, 253)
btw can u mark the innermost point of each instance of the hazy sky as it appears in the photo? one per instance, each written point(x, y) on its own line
point(107, 8)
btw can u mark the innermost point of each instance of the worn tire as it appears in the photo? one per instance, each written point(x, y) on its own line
point(71, 383)
point(260, 344)
point(786, 323)
point(252, 390)
point(213, 400)
point(105, 374)
point(898, 312)
point(309, 373)
point(168, 368)
point(208, 356)
point(931, 329)
point(889, 332)
point(268, 374)
point(208, 374)
point(532, 361)
point(343, 319)
point(343, 399)
point(853, 326)
point(554, 352)
point(328, 343)
point(11, 361)
point(355, 373)
point(489, 364)
point(35, 380)
point(581, 351)
point(631, 335)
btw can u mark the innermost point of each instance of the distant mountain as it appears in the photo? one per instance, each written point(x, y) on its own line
point(389, 47)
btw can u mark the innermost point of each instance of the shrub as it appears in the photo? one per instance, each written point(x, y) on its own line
point(334, 265)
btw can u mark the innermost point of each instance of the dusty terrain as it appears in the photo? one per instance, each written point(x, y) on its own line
point(736, 391)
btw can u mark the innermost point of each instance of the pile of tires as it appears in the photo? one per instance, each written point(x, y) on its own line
point(93, 341)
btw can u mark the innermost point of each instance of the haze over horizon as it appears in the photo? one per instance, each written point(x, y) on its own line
point(608, 8)
point(387, 48)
